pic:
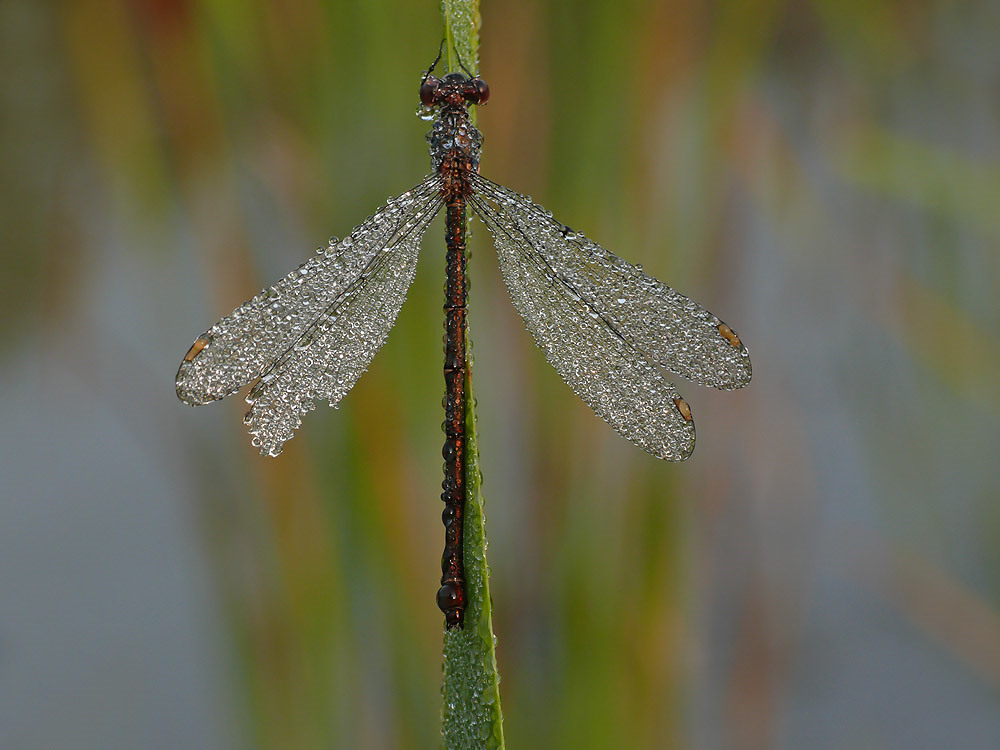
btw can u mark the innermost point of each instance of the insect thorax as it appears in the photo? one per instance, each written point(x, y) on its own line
point(454, 139)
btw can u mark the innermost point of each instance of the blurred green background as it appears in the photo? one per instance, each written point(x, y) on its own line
point(822, 573)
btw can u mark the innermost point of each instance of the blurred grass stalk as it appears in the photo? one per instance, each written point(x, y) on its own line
point(471, 716)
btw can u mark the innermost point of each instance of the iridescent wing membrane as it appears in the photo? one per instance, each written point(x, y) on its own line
point(311, 335)
point(604, 324)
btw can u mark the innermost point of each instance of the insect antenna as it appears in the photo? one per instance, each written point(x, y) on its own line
point(437, 59)
point(462, 65)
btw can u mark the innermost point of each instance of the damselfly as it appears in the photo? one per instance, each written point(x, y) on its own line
point(605, 325)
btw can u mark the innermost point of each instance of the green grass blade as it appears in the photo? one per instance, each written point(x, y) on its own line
point(461, 33)
point(471, 716)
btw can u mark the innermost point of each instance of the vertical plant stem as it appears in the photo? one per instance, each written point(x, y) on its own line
point(471, 716)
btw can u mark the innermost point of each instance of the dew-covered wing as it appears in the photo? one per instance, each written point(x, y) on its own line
point(327, 360)
point(587, 349)
point(670, 329)
point(305, 334)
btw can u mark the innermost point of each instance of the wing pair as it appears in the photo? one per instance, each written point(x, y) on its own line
point(601, 322)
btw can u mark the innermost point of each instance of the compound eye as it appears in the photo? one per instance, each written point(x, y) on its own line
point(478, 92)
point(428, 91)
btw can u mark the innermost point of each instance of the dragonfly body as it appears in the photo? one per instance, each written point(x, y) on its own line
point(455, 144)
point(608, 328)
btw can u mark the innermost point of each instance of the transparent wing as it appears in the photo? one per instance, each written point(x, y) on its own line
point(603, 323)
point(670, 329)
point(313, 334)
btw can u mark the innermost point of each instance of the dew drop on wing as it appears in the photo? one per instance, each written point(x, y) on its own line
point(266, 336)
point(651, 321)
point(659, 323)
point(585, 350)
